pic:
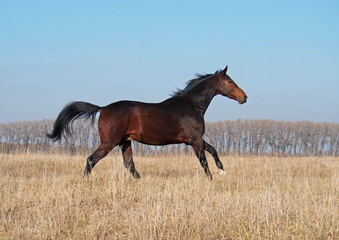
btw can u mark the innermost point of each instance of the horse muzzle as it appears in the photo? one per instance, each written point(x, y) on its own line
point(242, 100)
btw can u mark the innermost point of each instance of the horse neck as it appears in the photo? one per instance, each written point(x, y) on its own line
point(202, 94)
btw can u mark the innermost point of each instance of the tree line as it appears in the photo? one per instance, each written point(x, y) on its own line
point(241, 137)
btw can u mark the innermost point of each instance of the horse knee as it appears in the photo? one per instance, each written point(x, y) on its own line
point(214, 152)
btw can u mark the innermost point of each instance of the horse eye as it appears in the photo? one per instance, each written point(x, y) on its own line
point(230, 81)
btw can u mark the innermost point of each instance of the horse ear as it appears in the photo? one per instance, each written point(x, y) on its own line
point(223, 72)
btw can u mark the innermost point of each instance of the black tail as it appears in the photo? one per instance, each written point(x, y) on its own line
point(71, 112)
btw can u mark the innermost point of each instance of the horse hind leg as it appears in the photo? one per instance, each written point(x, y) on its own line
point(127, 154)
point(95, 157)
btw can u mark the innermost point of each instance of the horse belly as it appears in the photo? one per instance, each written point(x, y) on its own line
point(157, 129)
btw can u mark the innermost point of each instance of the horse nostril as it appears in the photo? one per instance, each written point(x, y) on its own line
point(245, 98)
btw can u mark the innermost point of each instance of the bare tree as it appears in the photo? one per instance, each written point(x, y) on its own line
point(255, 137)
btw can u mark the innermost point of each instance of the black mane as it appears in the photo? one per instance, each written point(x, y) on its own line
point(192, 83)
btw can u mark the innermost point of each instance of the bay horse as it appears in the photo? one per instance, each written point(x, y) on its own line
point(178, 119)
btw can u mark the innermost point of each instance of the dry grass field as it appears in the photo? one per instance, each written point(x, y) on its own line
point(46, 197)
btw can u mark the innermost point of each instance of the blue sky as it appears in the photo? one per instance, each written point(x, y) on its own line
point(284, 55)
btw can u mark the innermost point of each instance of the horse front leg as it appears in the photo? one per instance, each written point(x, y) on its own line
point(127, 154)
point(200, 153)
point(214, 153)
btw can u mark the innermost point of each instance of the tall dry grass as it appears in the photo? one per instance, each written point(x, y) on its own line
point(46, 197)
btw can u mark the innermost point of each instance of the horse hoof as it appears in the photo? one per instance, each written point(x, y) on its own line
point(222, 172)
point(87, 172)
point(136, 175)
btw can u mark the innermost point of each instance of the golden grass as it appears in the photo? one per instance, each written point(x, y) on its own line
point(46, 197)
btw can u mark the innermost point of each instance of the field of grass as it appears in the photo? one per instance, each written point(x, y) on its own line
point(46, 197)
